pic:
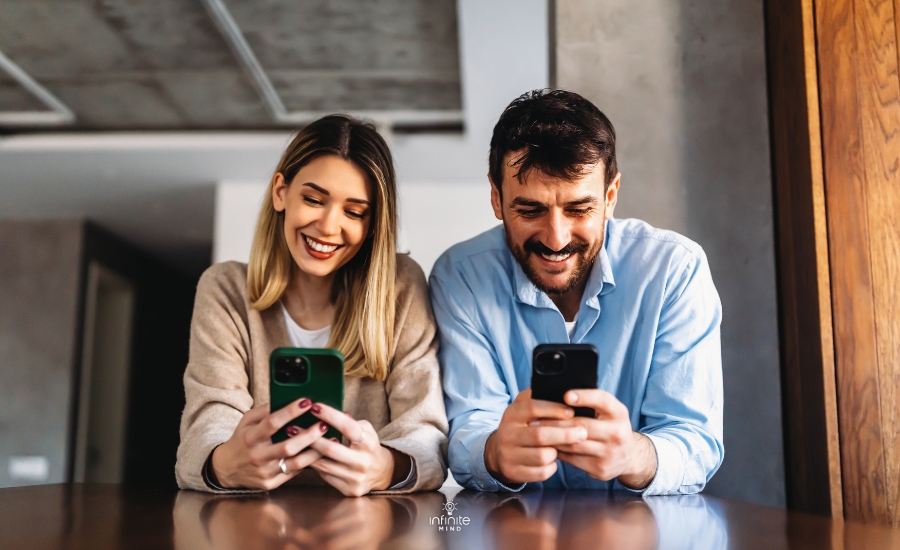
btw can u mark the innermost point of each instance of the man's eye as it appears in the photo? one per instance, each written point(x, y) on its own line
point(581, 211)
point(530, 213)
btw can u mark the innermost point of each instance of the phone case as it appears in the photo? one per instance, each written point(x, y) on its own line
point(580, 373)
point(325, 384)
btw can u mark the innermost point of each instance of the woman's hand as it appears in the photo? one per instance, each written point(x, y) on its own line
point(249, 459)
point(363, 466)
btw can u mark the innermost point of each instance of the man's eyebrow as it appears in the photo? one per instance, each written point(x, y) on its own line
point(519, 201)
point(325, 192)
point(583, 201)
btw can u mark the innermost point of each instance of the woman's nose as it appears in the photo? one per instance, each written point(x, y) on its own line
point(329, 223)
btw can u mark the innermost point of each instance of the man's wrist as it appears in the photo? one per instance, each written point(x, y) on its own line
point(492, 461)
point(642, 464)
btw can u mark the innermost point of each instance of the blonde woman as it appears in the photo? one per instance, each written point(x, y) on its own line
point(323, 272)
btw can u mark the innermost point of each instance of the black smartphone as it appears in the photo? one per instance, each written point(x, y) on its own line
point(558, 368)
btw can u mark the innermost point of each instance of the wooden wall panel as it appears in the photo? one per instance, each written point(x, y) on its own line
point(812, 455)
point(860, 108)
point(879, 94)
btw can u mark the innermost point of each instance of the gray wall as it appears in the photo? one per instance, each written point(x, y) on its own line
point(39, 268)
point(684, 83)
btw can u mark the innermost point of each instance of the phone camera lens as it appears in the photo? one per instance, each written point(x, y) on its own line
point(291, 370)
point(551, 362)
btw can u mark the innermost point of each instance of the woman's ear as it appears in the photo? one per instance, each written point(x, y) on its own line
point(279, 192)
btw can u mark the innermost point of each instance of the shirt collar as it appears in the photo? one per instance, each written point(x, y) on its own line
point(600, 280)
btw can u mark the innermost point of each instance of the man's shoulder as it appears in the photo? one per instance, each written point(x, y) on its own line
point(480, 251)
point(626, 235)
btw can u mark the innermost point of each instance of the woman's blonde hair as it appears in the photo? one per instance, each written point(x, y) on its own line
point(363, 291)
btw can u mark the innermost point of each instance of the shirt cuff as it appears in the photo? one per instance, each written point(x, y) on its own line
point(669, 468)
point(483, 479)
point(410, 479)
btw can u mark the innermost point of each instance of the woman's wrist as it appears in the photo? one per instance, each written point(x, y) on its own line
point(217, 466)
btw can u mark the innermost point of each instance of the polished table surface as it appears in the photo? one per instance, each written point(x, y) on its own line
point(110, 516)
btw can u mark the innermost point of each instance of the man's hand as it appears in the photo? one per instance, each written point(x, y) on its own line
point(612, 449)
point(521, 450)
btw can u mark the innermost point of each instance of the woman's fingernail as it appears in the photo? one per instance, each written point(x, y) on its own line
point(304, 403)
point(316, 409)
point(292, 430)
point(323, 427)
point(573, 397)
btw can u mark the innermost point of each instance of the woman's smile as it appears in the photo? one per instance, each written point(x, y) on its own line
point(319, 249)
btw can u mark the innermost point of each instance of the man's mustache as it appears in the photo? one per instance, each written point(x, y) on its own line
point(537, 247)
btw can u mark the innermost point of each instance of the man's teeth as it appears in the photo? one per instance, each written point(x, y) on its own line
point(319, 247)
point(555, 257)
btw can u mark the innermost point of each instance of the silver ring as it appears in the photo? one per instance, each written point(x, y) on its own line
point(283, 469)
point(360, 440)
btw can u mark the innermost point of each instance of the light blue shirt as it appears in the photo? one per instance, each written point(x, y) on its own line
point(650, 308)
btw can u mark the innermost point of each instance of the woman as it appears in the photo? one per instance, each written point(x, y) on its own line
point(323, 272)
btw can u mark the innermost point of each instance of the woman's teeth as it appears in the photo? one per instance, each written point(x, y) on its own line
point(319, 247)
point(555, 257)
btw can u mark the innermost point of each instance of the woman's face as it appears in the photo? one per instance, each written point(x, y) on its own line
point(327, 213)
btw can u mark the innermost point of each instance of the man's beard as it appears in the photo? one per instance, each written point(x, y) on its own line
point(584, 251)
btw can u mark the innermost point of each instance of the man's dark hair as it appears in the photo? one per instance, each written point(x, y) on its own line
point(559, 133)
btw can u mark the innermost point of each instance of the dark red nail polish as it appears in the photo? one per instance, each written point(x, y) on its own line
point(323, 427)
point(316, 409)
point(292, 430)
point(304, 403)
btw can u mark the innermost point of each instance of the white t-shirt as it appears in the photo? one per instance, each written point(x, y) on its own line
point(570, 327)
point(302, 338)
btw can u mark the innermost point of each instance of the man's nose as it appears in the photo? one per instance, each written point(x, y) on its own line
point(559, 231)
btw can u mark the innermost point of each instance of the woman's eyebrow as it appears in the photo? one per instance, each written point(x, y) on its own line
point(359, 201)
point(316, 187)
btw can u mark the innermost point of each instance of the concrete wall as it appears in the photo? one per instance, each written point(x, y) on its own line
point(39, 269)
point(444, 193)
point(684, 83)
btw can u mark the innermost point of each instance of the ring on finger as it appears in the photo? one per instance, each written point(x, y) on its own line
point(361, 437)
point(284, 469)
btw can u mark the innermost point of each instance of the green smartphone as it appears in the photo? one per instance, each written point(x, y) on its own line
point(317, 374)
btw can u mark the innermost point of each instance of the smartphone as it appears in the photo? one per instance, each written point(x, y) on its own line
point(317, 374)
point(558, 368)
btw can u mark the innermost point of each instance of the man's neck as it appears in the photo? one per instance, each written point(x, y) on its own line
point(569, 302)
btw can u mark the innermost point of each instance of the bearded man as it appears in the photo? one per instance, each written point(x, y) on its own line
point(562, 269)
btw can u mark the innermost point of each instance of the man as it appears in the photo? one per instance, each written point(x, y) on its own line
point(562, 269)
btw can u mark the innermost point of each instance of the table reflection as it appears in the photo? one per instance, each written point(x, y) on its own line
point(302, 519)
point(550, 520)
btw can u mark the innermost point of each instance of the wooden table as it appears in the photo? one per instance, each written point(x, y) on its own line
point(109, 516)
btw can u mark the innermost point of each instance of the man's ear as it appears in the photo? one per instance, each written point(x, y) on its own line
point(279, 191)
point(496, 202)
point(612, 196)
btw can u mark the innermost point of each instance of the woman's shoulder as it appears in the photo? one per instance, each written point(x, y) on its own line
point(228, 278)
point(410, 276)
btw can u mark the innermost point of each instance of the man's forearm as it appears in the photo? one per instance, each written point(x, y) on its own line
point(643, 464)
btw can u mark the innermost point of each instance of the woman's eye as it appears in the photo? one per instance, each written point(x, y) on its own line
point(355, 215)
point(312, 200)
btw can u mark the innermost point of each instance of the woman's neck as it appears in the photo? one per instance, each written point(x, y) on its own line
point(308, 300)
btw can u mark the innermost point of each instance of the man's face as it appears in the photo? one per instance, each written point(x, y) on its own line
point(554, 227)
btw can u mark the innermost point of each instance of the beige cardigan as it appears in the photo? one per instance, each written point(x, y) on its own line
point(228, 374)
